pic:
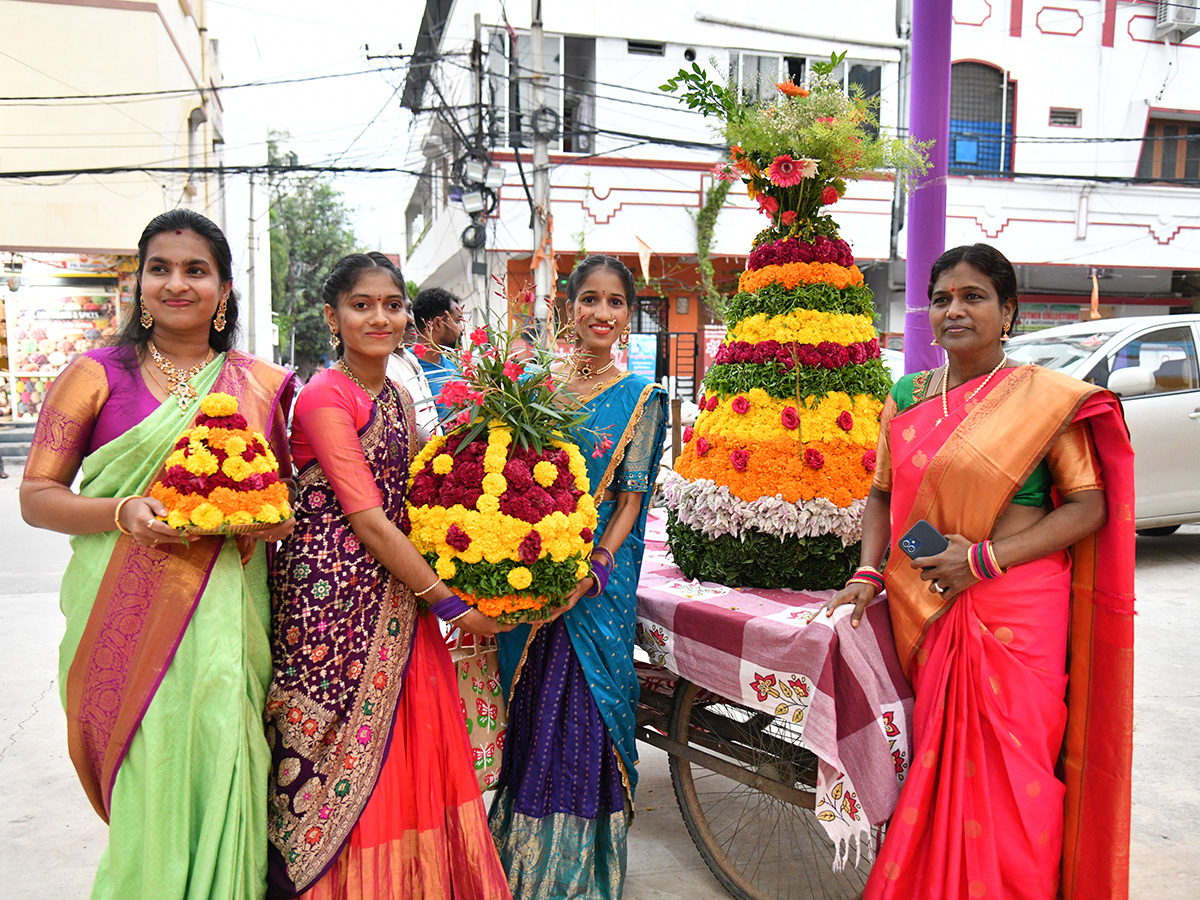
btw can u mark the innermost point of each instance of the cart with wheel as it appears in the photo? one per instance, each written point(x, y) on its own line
point(787, 731)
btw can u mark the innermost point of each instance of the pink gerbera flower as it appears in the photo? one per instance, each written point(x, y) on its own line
point(785, 171)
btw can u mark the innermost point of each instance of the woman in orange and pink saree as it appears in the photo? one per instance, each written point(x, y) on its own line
point(1017, 638)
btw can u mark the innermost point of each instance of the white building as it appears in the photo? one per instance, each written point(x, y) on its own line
point(1072, 145)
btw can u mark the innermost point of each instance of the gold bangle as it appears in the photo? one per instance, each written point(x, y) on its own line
point(869, 569)
point(428, 589)
point(117, 515)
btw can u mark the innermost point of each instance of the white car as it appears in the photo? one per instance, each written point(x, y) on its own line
point(1150, 362)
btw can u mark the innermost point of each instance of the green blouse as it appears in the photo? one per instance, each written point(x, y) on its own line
point(1034, 492)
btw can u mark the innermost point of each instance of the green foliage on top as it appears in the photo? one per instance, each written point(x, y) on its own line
point(310, 231)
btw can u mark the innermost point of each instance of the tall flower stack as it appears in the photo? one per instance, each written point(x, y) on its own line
point(770, 487)
point(500, 507)
point(222, 477)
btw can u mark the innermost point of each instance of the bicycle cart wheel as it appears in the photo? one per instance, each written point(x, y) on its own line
point(747, 799)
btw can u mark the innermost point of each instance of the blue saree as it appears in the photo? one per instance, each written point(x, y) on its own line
point(565, 795)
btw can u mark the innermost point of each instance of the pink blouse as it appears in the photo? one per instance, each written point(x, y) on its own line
point(329, 413)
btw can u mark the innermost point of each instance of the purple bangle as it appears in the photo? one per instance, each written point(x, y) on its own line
point(450, 608)
point(607, 554)
point(600, 573)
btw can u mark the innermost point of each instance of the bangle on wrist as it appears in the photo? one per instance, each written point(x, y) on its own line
point(981, 559)
point(117, 515)
point(867, 575)
point(450, 607)
point(607, 554)
point(428, 589)
point(600, 573)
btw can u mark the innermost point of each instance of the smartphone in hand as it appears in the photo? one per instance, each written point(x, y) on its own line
point(923, 540)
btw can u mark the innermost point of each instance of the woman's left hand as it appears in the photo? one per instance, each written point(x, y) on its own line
point(948, 570)
point(246, 542)
point(572, 598)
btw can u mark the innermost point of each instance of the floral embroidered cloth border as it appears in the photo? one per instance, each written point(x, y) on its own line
point(771, 650)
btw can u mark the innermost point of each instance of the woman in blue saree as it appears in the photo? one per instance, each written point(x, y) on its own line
point(565, 795)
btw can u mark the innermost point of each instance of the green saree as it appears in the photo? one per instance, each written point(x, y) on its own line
point(165, 663)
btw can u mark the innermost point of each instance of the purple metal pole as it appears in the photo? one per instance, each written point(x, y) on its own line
point(929, 119)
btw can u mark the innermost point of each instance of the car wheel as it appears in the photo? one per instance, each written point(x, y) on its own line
point(1158, 532)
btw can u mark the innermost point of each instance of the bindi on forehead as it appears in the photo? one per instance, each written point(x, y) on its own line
point(178, 231)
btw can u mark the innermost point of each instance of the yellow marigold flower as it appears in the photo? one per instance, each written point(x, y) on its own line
point(178, 519)
point(587, 506)
point(199, 433)
point(241, 517)
point(445, 568)
point(207, 516)
point(804, 326)
point(583, 569)
point(201, 462)
point(494, 484)
point(270, 514)
point(175, 459)
point(488, 503)
point(236, 468)
point(235, 446)
point(261, 465)
point(520, 578)
point(443, 464)
point(217, 404)
point(494, 460)
point(545, 473)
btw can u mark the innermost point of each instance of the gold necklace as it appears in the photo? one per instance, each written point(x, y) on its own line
point(389, 407)
point(177, 381)
point(970, 396)
point(586, 369)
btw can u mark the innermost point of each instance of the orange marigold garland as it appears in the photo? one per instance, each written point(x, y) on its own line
point(221, 476)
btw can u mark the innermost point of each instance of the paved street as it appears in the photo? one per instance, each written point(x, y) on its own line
point(50, 840)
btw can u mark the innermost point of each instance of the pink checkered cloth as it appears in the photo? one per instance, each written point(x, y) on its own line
point(775, 651)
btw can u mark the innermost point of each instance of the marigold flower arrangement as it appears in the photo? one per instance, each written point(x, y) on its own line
point(222, 477)
point(772, 481)
point(501, 506)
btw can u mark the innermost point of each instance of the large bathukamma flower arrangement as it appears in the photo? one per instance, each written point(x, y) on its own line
point(222, 477)
point(770, 487)
point(500, 507)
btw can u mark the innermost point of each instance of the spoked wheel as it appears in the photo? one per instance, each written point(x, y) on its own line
point(748, 804)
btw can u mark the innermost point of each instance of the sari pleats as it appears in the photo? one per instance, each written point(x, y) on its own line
point(981, 812)
point(423, 834)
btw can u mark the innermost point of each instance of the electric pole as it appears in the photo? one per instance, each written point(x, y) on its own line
point(543, 273)
point(251, 310)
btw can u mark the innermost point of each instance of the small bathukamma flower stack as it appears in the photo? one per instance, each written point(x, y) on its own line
point(222, 477)
point(770, 487)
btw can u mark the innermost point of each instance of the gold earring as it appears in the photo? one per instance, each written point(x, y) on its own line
point(624, 339)
point(334, 341)
point(933, 343)
point(219, 320)
point(146, 319)
point(1004, 336)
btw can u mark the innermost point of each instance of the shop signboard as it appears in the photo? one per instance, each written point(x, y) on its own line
point(643, 355)
point(1036, 316)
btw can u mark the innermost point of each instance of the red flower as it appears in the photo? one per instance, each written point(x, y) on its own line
point(868, 460)
point(586, 535)
point(513, 370)
point(457, 538)
point(419, 349)
point(789, 417)
point(479, 337)
point(712, 403)
point(380, 680)
point(702, 446)
point(687, 434)
point(768, 205)
point(530, 548)
point(785, 171)
point(814, 459)
point(829, 196)
point(740, 459)
point(740, 405)
point(845, 421)
point(788, 217)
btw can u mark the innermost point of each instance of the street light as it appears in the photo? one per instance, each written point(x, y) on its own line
point(495, 177)
point(473, 171)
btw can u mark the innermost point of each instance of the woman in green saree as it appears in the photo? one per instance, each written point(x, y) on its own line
point(166, 658)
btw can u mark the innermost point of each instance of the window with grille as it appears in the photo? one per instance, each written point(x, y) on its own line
point(650, 315)
point(1171, 151)
point(981, 116)
point(1065, 118)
